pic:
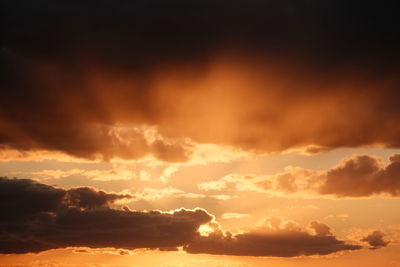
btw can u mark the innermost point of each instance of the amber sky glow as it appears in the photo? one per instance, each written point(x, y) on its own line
point(200, 133)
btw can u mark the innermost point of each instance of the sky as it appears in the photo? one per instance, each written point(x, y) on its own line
point(199, 133)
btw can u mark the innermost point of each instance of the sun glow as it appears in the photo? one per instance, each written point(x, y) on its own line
point(206, 229)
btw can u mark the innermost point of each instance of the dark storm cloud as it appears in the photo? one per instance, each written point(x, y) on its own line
point(363, 175)
point(143, 33)
point(70, 70)
point(37, 217)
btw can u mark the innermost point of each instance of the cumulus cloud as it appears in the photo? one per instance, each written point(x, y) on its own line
point(320, 229)
point(37, 217)
point(276, 239)
point(363, 175)
point(356, 176)
point(253, 75)
point(24, 197)
point(375, 240)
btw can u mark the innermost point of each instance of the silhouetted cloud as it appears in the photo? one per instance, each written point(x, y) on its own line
point(277, 241)
point(37, 217)
point(375, 240)
point(363, 175)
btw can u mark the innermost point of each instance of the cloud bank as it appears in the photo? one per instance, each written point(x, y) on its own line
point(37, 217)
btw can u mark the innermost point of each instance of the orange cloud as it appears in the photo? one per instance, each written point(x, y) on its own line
point(234, 102)
point(276, 239)
point(263, 77)
point(363, 176)
point(357, 176)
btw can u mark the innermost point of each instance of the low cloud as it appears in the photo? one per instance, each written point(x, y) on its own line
point(276, 239)
point(363, 175)
point(376, 240)
point(37, 217)
point(356, 176)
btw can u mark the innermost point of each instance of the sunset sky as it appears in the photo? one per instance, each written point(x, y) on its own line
point(199, 133)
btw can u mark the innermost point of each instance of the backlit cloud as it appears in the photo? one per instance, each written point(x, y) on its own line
point(38, 217)
point(260, 76)
point(154, 129)
point(363, 176)
point(276, 239)
point(356, 176)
